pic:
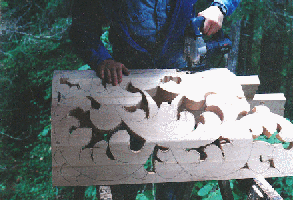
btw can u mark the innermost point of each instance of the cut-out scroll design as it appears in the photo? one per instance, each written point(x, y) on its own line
point(196, 127)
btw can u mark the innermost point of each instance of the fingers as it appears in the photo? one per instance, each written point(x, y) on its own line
point(114, 79)
point(108, 76)
point(211, 27)
point(111, 71)
point(214, 19)
point(125, 70)
point(101, 72)
point(119, 74)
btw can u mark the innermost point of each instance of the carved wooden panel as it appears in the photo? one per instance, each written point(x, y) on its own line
point(196, 127)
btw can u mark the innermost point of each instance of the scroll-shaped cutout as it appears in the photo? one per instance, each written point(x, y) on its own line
point(216, 110)
point(200, 150)
point(94, 104)
point(262, 121)
point(85, 122)
point(123, 151)
point(260, 157)
point(160, 95)
point(66, 81)
point(227, 107)
point(195, 108)
point(143, 104)
point(59, 97)
point(97, 134)
point(284, 127)
point(166, 79)
point(165, 162)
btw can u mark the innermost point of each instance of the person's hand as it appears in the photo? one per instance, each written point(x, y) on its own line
point(111, 71)
point(213, 20)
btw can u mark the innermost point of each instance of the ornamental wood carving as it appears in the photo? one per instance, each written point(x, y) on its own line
point(196, 127)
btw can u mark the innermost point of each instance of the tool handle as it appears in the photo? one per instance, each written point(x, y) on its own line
point(197, 24)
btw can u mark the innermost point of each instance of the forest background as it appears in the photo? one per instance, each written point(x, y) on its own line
point(34, 42)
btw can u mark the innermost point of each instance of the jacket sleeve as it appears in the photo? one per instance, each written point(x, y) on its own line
point(230, 5)
point(86, 29)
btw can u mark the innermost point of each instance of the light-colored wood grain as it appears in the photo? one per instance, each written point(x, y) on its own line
point(196, 127)
point(249, 85)
point(274, 101)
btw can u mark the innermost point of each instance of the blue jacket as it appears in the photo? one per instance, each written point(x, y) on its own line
point(89, 16)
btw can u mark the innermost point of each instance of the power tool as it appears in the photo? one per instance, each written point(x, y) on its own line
point(197, 51)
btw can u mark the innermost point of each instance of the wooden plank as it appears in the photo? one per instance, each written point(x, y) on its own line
point(196, 127)
point(249, 85)
point(275, 102)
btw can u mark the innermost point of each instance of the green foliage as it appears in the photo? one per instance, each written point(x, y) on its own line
point(3, 5)
point(145, 195)
point(283, 185)
point(205, 190)
point(33, 49)
point(90, 193)
point(105, 39)
point(273, 139)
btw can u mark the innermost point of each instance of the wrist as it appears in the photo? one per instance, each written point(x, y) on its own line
point(222, 7)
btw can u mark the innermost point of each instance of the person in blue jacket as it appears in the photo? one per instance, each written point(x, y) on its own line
point(144, 34)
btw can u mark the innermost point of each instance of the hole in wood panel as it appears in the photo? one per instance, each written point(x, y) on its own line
point(219, 142)
point(136, 142)
point(167, 79)
point(109, 153)
point(66, 82)
point(271, 161)
point(59, 97)
point(279, 128)
point(131, 88)
point(149, 165)
point(83, 117)
point(216, 110)
point(245, 166)
point(71, 129)
point(163, 149)
point(159, 96)
point(181, 107)
point(130, 108)
point(63, 80)
point(200, 150)
point(94, 103)
point(290, 146)
point(84, 120)
point(143, 104)
point(156, 149)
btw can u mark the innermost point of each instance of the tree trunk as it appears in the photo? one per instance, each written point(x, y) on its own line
point(79, 192)
point(233, 54)
point(289, 70)
point(245, 48)
point(250, 70)
point(242, 50)
point(272, 53)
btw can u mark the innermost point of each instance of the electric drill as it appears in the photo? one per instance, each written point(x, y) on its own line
point(197, 50)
